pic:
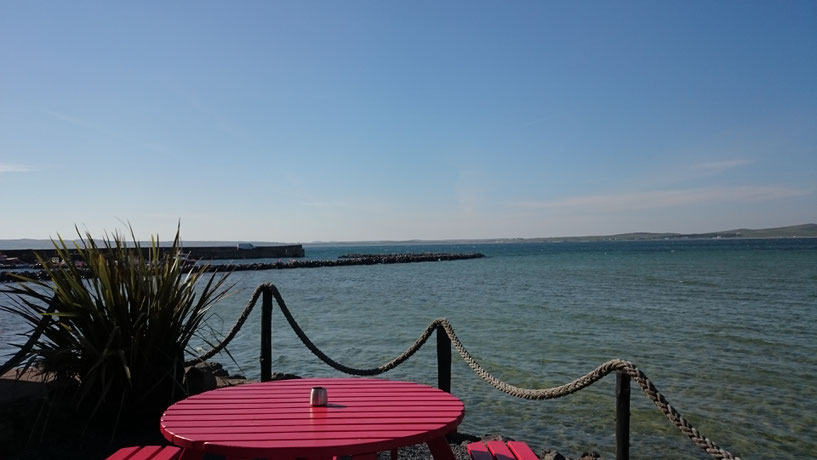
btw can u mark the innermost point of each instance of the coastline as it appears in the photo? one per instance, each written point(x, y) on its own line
point(792, 231)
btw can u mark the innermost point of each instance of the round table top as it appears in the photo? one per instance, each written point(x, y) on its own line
point(276, 418)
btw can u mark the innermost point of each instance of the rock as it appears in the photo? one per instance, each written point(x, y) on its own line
point(216, 368)
point(461, 439)
point(548, 454)
point(200, 378)
point(283, 376)
point(495, 437)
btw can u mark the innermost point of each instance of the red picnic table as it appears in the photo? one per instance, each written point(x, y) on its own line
point(275, 420)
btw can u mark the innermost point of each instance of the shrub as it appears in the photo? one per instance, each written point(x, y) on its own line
point(121, 323)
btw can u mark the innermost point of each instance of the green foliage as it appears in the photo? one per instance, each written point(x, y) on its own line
point(121, 323)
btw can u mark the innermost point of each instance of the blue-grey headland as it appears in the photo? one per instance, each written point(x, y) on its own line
point(791, 231)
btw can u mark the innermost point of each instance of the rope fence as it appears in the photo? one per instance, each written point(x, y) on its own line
point(446, 338)
point(443, 327)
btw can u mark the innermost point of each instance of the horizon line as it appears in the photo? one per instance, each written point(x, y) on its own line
point(477, 240)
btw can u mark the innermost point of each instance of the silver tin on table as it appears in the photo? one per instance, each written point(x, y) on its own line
point(318, 397)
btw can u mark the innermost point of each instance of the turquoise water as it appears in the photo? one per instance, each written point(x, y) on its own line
point(725, 329)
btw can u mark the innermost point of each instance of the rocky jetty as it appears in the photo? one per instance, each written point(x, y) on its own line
point(410, 257)
point(342, 261)
point(347, 260)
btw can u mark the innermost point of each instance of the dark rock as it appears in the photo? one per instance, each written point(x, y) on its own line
point(496, 437)
point(548, 454)
point(462, 439)
point(283, 376)
point(200, 378)
point(215, 368)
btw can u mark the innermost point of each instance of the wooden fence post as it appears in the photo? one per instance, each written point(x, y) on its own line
point(266, 336)
point(622, 416)
point(443, 360)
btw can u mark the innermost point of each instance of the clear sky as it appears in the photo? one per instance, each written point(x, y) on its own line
point(368, 120)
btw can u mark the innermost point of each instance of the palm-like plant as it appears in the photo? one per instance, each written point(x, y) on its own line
point(121, 324)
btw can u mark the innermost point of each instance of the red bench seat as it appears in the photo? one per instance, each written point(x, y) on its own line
point(147, 453)
point(498, 450)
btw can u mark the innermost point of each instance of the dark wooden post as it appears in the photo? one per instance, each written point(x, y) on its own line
point(266, 336)
point(443, 360)
point(622, 416)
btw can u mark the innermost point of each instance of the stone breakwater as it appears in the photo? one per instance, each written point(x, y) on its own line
point(409, 257)
point(18, 257)
point(341, 261)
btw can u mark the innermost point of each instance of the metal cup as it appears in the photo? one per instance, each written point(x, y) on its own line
point(318, 397)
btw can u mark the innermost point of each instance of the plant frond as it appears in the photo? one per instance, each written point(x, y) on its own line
point(122, 323)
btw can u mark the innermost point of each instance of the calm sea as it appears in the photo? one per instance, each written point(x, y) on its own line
point(726, 329)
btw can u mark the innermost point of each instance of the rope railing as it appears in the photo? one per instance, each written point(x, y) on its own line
point(446, 337)
point(623, 368)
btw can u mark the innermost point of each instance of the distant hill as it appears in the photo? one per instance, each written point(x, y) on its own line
point(793, 231)
point(25, 243)
point(802, 231)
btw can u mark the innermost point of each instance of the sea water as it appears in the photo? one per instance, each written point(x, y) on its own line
point(726, 329)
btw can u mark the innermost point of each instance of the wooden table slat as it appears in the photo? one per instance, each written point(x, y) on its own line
point(272, 397)
point(296, 449)
point(215, 427)
point(339, 422)
point(343, 405)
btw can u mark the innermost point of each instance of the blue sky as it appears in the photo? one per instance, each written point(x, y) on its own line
point(305, 121)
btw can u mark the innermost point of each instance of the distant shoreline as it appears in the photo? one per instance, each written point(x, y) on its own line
point(793, 231)
point(566, 239)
